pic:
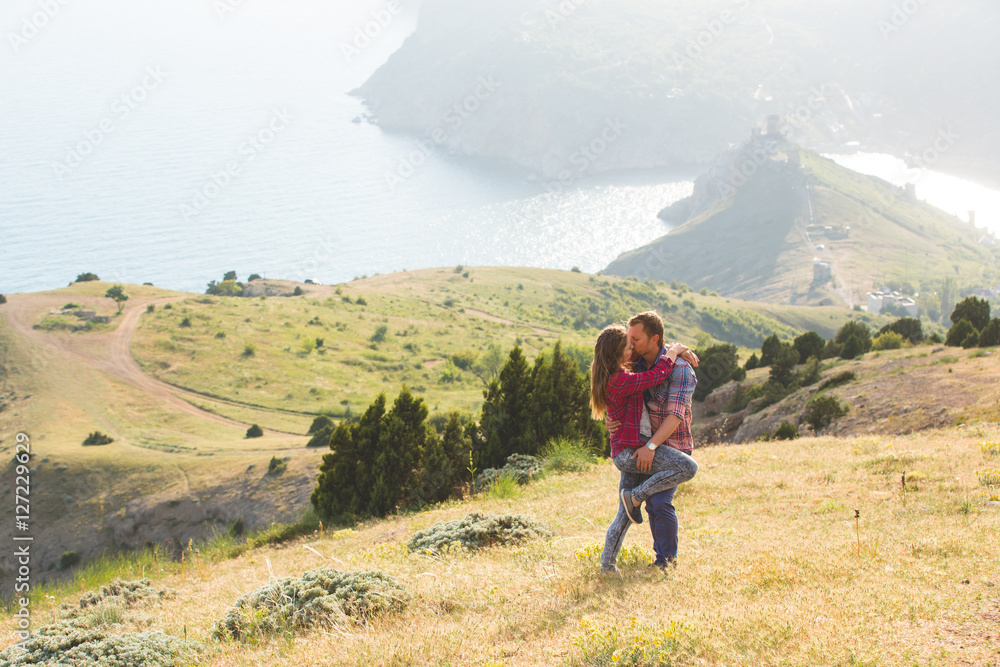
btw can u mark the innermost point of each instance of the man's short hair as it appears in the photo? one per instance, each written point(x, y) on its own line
point(652, 323)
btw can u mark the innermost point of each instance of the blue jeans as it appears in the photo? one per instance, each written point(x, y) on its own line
point(663, 525)
point(670, 467)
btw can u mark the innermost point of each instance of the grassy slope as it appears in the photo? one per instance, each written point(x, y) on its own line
point(894, 392)
point(422, 310)
point(892, 237)
point(752, 245)
point(161, 452)
point(772, 570)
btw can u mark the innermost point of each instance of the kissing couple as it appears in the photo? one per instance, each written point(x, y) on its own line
point(643, 390)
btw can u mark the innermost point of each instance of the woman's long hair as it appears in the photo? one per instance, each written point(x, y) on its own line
point(608, 352)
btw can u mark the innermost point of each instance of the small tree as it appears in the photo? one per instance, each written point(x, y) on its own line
point(752, 363)
point(322, 437)
point(117, 292)
point(230, 275)
point(973, 309)
point(379, 335)
point(97, 438)
point(852, 349)
point(225, 288)
point(3, 299)
point(255, 431)
point(783, 364)
point(719, 364)
point(86, 277)
point(972, 340)
point(809, 344)
point(319, 424)
point(990, 335)
point(253, 277)
point(959, 332)
point(857, 329)
point(786, 431)
point(907, 327)
point(822, 411)
point(768, 349)
point(890, 340)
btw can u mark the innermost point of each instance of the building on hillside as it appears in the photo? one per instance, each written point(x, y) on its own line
point(879, 301)
point(822, 271)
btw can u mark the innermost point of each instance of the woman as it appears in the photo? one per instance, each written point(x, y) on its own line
point(617, 393)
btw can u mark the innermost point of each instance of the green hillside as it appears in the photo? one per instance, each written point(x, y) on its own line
point(180, 467)
point(429, 318)
point(760, 223)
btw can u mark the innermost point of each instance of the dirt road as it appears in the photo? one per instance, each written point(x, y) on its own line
point(107, 351)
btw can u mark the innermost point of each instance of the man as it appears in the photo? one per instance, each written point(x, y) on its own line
point(669, 407)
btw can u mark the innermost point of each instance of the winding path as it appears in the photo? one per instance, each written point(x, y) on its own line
point(111, 351)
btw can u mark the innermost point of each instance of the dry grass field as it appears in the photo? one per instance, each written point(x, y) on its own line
point(774, 570)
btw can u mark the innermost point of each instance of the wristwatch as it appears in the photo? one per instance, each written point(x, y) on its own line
point(652, 445)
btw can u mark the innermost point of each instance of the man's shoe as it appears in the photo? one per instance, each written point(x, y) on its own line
point(670, 563)
point(634, 515)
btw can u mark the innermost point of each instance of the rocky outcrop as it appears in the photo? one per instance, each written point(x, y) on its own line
point(175, 518)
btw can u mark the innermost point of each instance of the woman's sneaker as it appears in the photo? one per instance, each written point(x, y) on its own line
point(634, 515)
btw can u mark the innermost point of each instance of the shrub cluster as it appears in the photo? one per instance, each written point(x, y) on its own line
point(75, 643)
point(394, 458)
point(821, 411)
point(85, 636)
point(479, 530)
point(521, 467)
point(388, 459)
point(526, 407)
point(126, 593)
point(972, 325)
point(564, 455)
point(321, 596)
point(97, 438)
point(786, 431)
point(837, 380)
